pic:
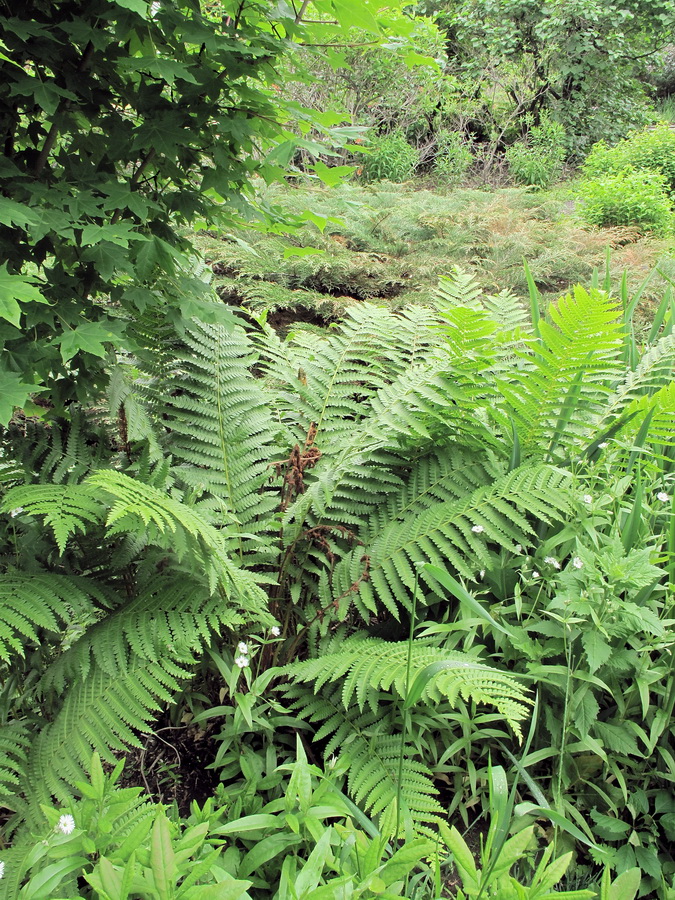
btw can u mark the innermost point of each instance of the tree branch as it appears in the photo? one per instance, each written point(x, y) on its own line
point(41, 161)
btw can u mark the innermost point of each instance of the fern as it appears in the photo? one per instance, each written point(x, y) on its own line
point(67, 509)
point(220, 425)
point(570, 376)
point(30, 603)
point(458, 531)
point(372, 756)
point(103, 713)
point(353, 719)
point(15, 741)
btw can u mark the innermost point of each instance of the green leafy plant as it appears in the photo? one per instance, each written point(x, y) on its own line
point(629, 197)
point(453, 157)
point(651, 150)
point(538, 160)
point(389, 158)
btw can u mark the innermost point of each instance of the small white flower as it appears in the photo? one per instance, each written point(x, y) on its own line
point(15, 512)
point(66, 824)
point(535, 574)
point(332, 762)
point(552, 561)
point(242, 661)
point(477, 529)
point(242, 647)
point(577, 562)
point(603, 445)
point(2, 869)
point(587, 498)
point(275, 631)
point(481, 575)
point(662, 496)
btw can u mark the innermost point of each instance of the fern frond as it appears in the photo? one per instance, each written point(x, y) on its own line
point(366, 666)
point(373, 760)
point(459, 289)
point(170, 618)
point(104, 713)
point(220, 424)
point(15, 741)
point(653, 372)
point(67, 509)
point(32, 602)
point(455, 531)
point(571, 373)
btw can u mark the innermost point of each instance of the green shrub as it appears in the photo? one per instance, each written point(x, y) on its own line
point(538, 160)
point(628, 197)
point(653, 151)
point(391, 158)
point(453, 156)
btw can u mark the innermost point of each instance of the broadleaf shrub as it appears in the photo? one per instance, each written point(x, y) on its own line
point(652, 150)
point(628, 197)
point(391, 158)
point(453, 156)
point(538, 160)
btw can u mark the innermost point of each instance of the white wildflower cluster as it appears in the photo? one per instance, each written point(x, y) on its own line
point(577, 562)
point(662, 496)
point(535, 574)
point(275, 631)
point(552, 561)
point(587, 498)
point(242, 660)
point(477, 529)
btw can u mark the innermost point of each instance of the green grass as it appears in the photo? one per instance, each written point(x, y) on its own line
point(393, 241)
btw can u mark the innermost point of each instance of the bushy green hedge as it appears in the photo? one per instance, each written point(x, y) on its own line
point(453, 156)
point(628, 197)
point(538, 160)
point(653, 151)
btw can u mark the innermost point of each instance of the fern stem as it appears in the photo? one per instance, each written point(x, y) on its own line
point(406, 710)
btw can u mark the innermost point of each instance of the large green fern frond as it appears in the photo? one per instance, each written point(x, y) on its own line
point(30, 604)
point(457, 532)
point(571, 372)
point(372, 756)
point(220, 425)
point(365, 666)
point(103, 713)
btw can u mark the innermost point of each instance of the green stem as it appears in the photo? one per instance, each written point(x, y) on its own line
point(406, 711)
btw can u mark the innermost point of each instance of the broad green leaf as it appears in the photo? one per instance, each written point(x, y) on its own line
point(137, 6)
point(597, 649)
point(257, 822)
point(13, 394)
point(15, 289)
point(89, 337)
point(458, 591)
point(332, 175)
point(13, 213)
point(162, 859)
point(266, 850)
point(43, 885)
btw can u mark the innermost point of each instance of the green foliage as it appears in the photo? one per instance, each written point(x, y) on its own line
point(628, 197)
point(124, 122)
point(389, 158)
point(453, 157)
point(652, 150)
point(583, 62)
point(538, 160)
